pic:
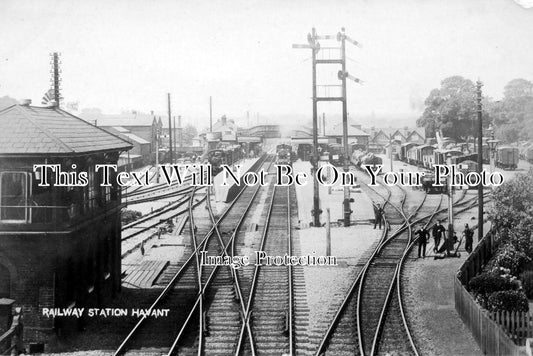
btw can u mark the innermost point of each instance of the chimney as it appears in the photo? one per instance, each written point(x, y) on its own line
point(223, 119)
point(25, 102)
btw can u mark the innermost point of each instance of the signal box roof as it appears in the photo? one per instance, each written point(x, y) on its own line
point(30, 130)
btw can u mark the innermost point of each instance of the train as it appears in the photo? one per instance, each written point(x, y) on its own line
point(335, 154)
point(507, 157)
point(365, 158)
point(227, 156)
point(425, 156)
point(284, 154)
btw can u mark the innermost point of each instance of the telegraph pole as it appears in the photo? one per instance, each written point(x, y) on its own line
point(479, 161)
point(346, 202)
point(175, 146)
point(180, 131)
point(170, 130)
point(316, 192)
point(156, 153)
point(314, 45)
point(343, 74)
point(390, 151)
point(210, 115)
point(56, 79)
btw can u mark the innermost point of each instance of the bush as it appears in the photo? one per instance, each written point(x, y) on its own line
point(490, 282)
point(508, 257)
point(508, 300)
point(527, 283)
point(129, 216)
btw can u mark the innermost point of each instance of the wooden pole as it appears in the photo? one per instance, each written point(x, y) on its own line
point(480, 161)
point(210, 115)
point(316, 199)
point(170, 130)
point(328, 233)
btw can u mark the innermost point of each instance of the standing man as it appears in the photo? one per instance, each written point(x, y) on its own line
point(469, 238)
point(437, 232)
point(378, 212)
point(423, 236)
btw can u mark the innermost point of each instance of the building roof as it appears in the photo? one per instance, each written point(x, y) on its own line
point(52, 131)
point(420, 132)
point(223, 125)
point(124, 119)
point(136, 139)
point(121, 129)
point(336, 130)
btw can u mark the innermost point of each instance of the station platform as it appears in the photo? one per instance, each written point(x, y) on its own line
point(143, 275)
point(332, 198)
point(142, 267)
point(223, 193)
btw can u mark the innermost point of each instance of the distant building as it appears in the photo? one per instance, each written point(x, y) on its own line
point(357, 138)
point(141, 153)
point(380, 138)
point(60, 245)
point(140, 130)
point(224, 132)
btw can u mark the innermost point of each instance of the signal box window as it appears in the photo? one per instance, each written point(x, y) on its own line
point(14, 193)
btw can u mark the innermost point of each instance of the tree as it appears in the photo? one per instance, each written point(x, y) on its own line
point(452, 109)
point(513, 115)
point(513, 207)
point(189, 132)
point(518, 88)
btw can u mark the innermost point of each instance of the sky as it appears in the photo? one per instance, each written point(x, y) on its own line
point(127, 55)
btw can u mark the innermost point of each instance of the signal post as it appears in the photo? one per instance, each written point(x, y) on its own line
point(314, 45)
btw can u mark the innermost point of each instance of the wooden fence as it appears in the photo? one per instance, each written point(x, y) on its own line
point(502, 333)
point(490, 337)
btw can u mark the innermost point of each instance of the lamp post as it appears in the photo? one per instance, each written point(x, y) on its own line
point(479, 159)
point(157, 154)
point(450, 206)
point(390, 151)
point(493, 144)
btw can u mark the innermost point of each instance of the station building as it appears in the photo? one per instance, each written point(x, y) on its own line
point(60, 247)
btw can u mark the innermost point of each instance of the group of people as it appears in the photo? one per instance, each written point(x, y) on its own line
point(439, 234)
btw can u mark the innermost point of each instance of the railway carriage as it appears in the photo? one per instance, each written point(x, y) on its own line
point(441, 156)
point(237, 154)
point(428, 184)
point(368, 158)
point(404, 149)
point(411, 156)
point(335, 154)
point(216, 158)
point(425, 156)
point(485, 150)
point(466, 164)
point(507, 157)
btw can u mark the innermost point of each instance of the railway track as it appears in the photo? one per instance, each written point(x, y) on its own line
point(378, 276)
point(227, 311)
point(270, 297)
point(157, 217)
point(381, 325)
point(192, 286)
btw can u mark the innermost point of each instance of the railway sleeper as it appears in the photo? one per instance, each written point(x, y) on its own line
point(287, 327)
point(205, 321)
